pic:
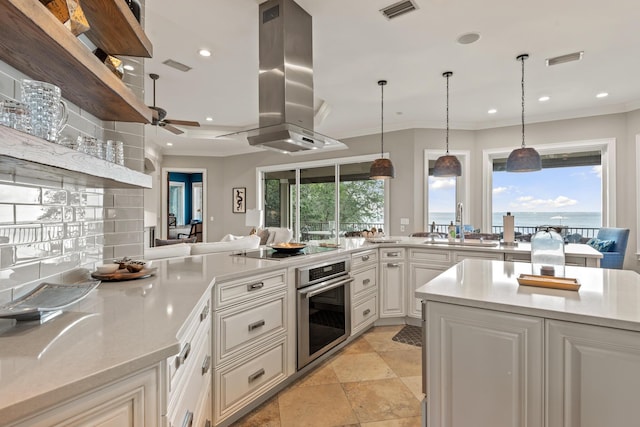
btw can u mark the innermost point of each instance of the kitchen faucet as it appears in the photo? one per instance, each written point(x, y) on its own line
point(459, 220)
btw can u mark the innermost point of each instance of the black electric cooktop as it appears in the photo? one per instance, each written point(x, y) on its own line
point(268, 253)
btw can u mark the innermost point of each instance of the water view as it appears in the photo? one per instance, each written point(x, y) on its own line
point(533, 219)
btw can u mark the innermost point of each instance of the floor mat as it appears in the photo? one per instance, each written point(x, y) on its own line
point(411, 335)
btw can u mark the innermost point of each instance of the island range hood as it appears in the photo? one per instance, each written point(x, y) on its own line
point(286, 81)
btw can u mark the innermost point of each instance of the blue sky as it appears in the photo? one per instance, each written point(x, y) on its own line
point(569, 189)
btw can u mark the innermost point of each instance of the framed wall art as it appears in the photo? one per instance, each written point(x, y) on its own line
point(238, 204)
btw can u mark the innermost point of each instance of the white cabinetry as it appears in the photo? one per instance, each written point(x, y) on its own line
point(424, 265)
point(189, 372)
point(135, 401)
point(592, 375)
point(251, 341)
point(485, 368)
point(364, 289)
point(392, 282)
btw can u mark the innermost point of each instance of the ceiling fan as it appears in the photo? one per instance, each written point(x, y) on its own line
point(162, 113)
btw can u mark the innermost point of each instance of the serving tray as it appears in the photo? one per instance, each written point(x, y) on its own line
point(45, 299)
point(124, 274)
point(565, 283)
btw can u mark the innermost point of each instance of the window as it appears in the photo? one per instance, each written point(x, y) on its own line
point(196, 201)
point(328, 207)
point(444, 193)
point(573, 191)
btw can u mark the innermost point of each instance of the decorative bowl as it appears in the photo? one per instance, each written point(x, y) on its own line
point(107, 268)
point(288, 247)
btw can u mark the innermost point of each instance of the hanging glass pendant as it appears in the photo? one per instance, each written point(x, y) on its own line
point(447, 165)
point(382, 168)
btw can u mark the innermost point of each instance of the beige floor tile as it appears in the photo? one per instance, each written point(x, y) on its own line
point(315, 406)
point(361, 367)
point(402, 422)
point(266, 415)
point(390, 329)
point(405, 363)
point(381, 400)
point(360, 345)
point(382, 341)
point(323, 374)
point(415, 385)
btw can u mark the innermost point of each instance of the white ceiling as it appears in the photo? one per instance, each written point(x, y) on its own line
point(354, 46)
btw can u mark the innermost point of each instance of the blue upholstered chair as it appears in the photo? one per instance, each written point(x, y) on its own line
point(614, 258)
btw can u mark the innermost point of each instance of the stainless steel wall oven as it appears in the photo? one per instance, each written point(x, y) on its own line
point(324, 302)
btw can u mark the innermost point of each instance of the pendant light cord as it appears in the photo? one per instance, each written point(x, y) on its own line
point(447, 137)
point(522, 58)
point(382, 118)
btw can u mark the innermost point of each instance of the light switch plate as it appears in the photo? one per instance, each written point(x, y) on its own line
point(404, 221)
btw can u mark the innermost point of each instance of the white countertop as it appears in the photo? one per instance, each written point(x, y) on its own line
point(606, 297)
point(125, 326)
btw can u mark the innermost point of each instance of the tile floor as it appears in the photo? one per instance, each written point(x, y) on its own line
point(372, 382)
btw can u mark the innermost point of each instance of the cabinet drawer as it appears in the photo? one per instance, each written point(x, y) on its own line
point(389, 254)
point(363, 258)
point(247, 325)
point(364, 281)
point(186, 401)
point(242, 382)
point(364, 313)
point(518, 257)
point(190, 336)
point(237, 291)
point(431, 256)
point(460, 255)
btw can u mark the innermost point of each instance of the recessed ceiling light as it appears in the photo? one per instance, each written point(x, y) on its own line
point(209, 119)
point(602, 95)
point(204, 52)
point(129, 67)
point(468, 38)
point(169, 144)
point(492, 111)
point(544, 98)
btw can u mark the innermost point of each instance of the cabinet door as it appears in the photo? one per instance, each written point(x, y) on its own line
point(593, 376)
point(419, 274)
point(392, 283)
point(485, 368)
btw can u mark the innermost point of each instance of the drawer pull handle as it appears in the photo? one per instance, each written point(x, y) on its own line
point(255, 286)
point(205, 312)
point(366, 312)
point(365, 258)
point(206, 364)
point(256, 375)
point(366, 281)
point(256, 325)
point(182, 357)
point(393, 254)
point(393, 264)
point(188, 419)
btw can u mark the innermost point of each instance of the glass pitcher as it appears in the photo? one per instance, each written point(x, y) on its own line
point(547, 253)
point(48, 110)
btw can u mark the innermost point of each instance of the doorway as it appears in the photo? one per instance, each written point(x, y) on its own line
point(184, 203)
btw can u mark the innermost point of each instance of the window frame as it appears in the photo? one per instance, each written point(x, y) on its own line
point(463, 182)
point(607, 148)
point(336, 162)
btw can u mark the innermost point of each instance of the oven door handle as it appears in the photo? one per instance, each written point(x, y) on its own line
point(323, 287)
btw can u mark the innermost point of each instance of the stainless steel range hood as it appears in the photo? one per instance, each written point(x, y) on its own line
point(286, 81)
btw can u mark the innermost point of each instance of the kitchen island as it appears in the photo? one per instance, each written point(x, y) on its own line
point(500, 354)
point(138, 331)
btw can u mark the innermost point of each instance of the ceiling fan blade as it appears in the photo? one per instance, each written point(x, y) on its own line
point(171, 129)
point(182, 122)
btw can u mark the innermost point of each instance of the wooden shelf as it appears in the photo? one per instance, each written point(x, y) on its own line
point(114, 29)
point(25, 155)
point(37, 44)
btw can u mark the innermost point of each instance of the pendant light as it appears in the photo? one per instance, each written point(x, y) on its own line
point(382, 168)
point(523, 159)
point(447, 165)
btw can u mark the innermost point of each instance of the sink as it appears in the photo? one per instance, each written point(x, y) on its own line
point(467, 242)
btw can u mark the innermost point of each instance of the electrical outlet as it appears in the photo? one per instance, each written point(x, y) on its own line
point(402, 228)
point(211, 219)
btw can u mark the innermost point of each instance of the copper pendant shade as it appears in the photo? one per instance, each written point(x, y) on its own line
point(382, 168)
point(447, 165)
point(523, 159)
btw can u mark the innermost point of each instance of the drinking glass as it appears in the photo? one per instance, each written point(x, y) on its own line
point(120, 153)
point(48, 112)
point(87, 145)
point(16, 115)
point(109, 151)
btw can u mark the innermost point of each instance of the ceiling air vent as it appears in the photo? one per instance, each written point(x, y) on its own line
point(177, 65)
point(576, 56)
point(398, 9)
